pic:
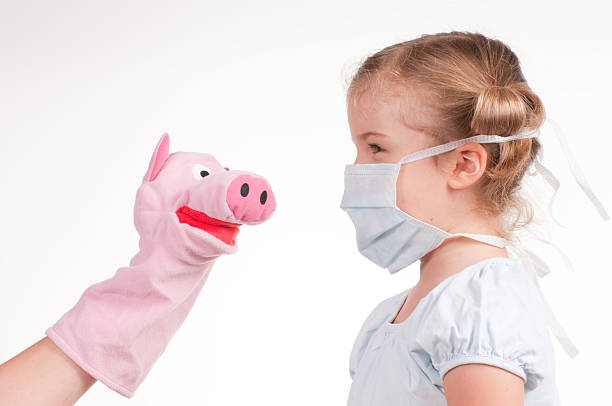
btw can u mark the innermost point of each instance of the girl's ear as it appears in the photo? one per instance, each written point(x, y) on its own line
point(468, 164)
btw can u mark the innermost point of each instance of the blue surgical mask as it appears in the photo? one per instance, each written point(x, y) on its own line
point(386, 235)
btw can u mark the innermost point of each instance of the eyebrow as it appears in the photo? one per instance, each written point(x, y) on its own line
point(371, 133)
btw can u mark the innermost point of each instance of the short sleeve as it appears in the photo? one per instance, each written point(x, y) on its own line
point(489, 314)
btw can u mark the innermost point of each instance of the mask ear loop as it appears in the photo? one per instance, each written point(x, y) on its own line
point(480, 138)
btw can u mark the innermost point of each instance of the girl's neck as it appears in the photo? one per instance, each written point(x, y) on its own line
point(454, 255)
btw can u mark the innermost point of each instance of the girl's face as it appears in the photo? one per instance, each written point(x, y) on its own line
point(382, 135)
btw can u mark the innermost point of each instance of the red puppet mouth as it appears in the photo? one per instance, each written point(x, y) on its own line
point(223, 230)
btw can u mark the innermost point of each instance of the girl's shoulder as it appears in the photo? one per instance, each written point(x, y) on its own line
point(495, 285)
point(490, 313)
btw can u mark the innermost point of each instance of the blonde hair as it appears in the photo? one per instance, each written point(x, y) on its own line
point(475, 85)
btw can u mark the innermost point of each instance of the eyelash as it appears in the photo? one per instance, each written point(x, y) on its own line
point(375, 146)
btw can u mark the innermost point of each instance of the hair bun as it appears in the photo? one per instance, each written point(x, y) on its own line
point(502, 110)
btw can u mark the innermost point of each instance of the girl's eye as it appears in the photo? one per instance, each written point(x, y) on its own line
point(375, 147)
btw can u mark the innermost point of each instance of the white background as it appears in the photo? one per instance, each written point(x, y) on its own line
point(87, 88)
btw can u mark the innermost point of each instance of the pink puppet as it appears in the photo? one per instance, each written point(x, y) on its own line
point(188, 212)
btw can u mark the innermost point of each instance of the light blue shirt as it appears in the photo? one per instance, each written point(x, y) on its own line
point(488, 313)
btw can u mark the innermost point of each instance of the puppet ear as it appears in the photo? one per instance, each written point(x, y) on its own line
point(160, 155)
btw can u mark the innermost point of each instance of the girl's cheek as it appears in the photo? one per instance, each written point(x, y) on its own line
point(416, 191)
point(406, 191)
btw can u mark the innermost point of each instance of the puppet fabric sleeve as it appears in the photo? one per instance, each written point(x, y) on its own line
point(188, 211)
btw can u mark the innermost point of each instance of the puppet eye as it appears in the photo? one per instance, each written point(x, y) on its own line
point(200, 171)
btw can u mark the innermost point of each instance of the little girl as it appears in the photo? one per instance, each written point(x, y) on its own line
point(473, 330)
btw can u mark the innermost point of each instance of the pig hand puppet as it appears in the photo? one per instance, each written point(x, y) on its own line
point(188, 212)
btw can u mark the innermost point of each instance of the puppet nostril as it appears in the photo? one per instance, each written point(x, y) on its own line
point(244, 190)
point(263, 197)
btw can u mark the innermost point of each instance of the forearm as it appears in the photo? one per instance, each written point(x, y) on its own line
point(42, 375)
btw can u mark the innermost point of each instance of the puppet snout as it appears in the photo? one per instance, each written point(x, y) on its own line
point(250, 199)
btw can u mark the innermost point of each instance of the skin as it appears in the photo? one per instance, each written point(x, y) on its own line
point(442, 191)
point(42, 375)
